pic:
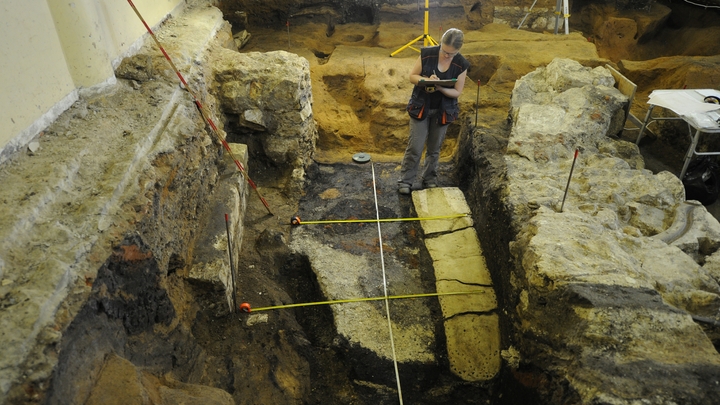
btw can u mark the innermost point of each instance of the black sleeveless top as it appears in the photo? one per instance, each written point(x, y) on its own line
point(421, 100)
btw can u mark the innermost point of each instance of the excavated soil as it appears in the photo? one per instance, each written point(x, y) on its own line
point(332, 380)
point(303, 341)
point(273, 273)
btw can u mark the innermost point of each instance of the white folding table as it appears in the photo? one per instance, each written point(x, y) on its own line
point(687, 105)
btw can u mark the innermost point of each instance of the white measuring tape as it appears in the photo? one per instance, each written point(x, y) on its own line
point(387, 301)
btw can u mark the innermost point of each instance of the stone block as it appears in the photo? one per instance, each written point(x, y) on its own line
point(122, 383)
point(694, 230)
point(473, 343)
point(478, 299)
point(469, 270)
point(456, 245)
point(276, 102)
point(590, 277)
point(649, 220)
point(119, 383)
point(365, 323)
point(441, 201)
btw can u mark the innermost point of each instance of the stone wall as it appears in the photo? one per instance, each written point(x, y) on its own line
point(600, 302)
point(100, 228)
point(270, 98)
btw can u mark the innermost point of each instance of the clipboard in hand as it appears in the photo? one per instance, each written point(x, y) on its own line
point(444, 83)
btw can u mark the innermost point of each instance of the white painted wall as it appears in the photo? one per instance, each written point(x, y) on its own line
point(33, 73)
point(52, 50)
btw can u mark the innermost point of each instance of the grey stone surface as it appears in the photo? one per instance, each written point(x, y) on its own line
point(343, 275)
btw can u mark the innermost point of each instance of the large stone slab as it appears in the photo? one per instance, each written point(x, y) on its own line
point(468, 270)
point(456, 245)
point(473, 336)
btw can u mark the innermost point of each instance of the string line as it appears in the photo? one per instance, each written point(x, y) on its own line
point(387, 301)
point(363, 299)
point(343, 221)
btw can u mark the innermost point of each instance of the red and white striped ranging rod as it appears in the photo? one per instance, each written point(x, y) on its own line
point(202, 110)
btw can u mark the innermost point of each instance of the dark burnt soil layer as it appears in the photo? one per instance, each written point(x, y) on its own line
point(129, 313)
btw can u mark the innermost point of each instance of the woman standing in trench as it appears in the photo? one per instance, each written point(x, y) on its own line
point(432, 108)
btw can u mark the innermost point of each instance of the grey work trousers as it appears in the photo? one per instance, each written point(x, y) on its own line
point(427, 132)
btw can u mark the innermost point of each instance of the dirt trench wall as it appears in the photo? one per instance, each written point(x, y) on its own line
point(644, 33)
point(480, 170)
point(161, 220)
point(464, 13)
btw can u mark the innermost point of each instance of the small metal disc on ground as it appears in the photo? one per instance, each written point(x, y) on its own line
point(361, 157)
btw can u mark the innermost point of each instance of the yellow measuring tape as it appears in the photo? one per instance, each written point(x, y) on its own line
point(296, 220)
point(245, 307)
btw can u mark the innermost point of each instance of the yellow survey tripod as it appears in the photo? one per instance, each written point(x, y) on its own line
point(427, 39)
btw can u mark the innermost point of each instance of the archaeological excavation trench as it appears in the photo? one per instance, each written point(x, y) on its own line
point(124, 261)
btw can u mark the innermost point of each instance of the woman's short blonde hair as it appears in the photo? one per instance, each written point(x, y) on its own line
point(453, 37)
